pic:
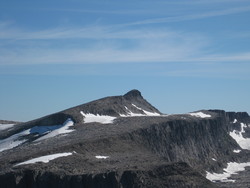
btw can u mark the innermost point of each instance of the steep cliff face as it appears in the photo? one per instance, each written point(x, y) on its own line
point(122, 141)
point(241, 116)
point(196, 142)
point(175, 175)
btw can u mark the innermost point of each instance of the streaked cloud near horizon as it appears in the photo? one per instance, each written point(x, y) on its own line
point(141, 40)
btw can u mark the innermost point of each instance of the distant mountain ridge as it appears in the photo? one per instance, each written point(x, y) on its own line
point(116, 106)
point(9, 122)
point(124, 141)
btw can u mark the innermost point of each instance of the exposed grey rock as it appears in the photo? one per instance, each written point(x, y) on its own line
point(9, 122)
point(144, 151)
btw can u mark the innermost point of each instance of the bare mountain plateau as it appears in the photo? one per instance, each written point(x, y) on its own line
point(124, 141)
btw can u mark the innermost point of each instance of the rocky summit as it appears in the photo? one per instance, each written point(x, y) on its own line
point(124, 141)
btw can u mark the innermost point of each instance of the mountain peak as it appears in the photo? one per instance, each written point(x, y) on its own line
point(133, 94)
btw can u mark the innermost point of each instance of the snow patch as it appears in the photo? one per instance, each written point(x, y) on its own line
point(61, 129)
point(13, 141)
point(101, 157)
point(131, 114)
point(244, 143)
point(214, 159)
point(90, 118)
point(237, 151)
point(235, 121)
point(151, 113)
point(48, 132)
point(5, 126)
point(145, 112)
point(44, 159)
point(232, 168)
point(136, 107)
point(200, 114)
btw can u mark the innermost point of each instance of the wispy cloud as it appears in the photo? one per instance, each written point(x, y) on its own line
point(197, 16)
point(109, 44)
point(131, 42)
point(205, 2)
point(110, 31)
point(88, 32)
point(156, 52)
point(118, 12)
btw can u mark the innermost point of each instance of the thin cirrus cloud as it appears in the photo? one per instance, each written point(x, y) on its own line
point(205, 2)
point(95, 56)
point(187, 17)
point(98, 44)
point(117, 12)
point(147, 45)
point(95, 31)
point(112, 54)
point(143, 46)
point(117, 43)
point(88, 32)
point(164, 47)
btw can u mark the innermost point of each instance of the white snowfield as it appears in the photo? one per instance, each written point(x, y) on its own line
point(101, 157)
point(13, 141)
point(146, 113)
point(235, 121)
point(200, 115)
point(48, 132)
point(237, 151)
point(44, 159)
point(244, 143)
point(90, 118)
point(232, 168)
point(5, 126)
point(105, 119)
point(63, 129)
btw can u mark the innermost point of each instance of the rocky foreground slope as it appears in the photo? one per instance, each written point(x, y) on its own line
point(124, 141)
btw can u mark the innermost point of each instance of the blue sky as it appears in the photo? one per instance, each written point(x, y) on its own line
point(182, 55)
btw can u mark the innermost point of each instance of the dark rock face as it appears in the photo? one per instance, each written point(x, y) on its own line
point(142, 151)
point(175, 175)
point(188, 141)
point(133, 94)
point(243, 116)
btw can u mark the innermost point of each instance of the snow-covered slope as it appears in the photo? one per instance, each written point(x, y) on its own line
point(44, 159)
point(243, 142)
point(36, 133)
point(6, 126)
point(200, 115)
